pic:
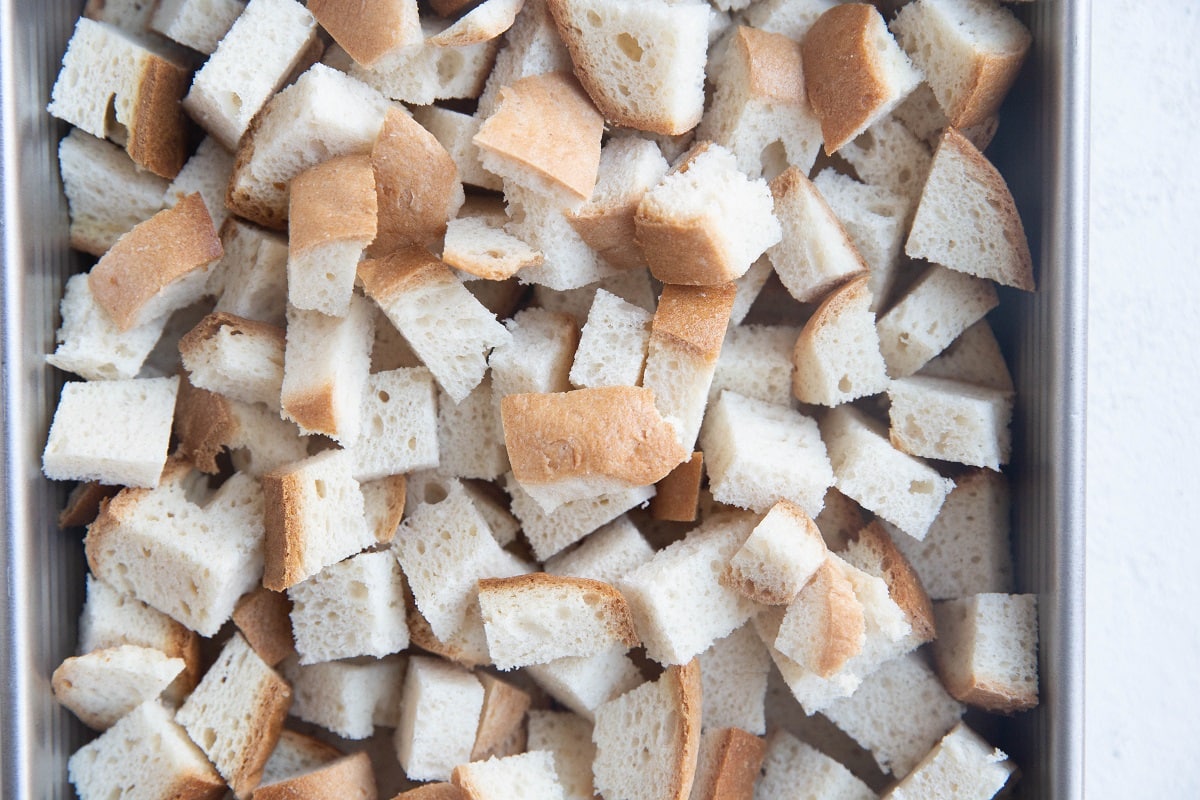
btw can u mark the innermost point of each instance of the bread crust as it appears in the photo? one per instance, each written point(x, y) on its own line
point(267, 721)
point(904, 585)
point(737, 757)
point(842, 74)
point(416, 183)
point(213, 323)
point(348, 778)
point(503, 715)
point(619, 618)
point(683, 683)
point(334, 201)
point(776, 68)
point(204, 425)
point(396, 494)
point(844, 622)
point(677, 496)
point(612, 232)
point(83, 504)
point(368, 31)
point(313, 409)
point(157, 252)
point(433, 791)
point(607, 432)
point(263, 617)
point(547, 124)
point(692, 320)
point(397, 272)
point(283, 544)
point(158, 133)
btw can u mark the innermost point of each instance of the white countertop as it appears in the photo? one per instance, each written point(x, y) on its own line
point(1143, 505)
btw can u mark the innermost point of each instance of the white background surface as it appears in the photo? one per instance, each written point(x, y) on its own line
point(1143, 506)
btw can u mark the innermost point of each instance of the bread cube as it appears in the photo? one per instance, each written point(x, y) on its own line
point(351, 776)
point(198, 24)
point(530, 774)
point(543, 223)
point(256, 437)
point(986, 650)
point(791, 765)
point(568, 737)
point(348, 698)
point(756, 361)
point(104, 685)
point(250, 280)
point(974, 357)
point(612, 346)
point(263, 617)
point(207, 173)
point(296, 753)
point(583, 684)
point(471, 435)
point(439, 713)
point(368, 33)
point(951, 421)
point(733, 673)
point(477, 247)
point(455, 131)
point(887, 154)
point(604, 555)
point(239, 358)
point(837, 356)
point(399, 424)
point(728, 764)
point(537, 357)
point(792, 18)
point(962, 765)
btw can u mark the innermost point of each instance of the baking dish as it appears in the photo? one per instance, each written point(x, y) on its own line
point(1041, 148)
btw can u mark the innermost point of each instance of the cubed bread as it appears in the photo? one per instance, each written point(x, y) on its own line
point(686, 334)
point(399, 424)
point(352, 608)
point(530, 774)
point(760, 453)
point(239, 358)
point(325, 113)
point(537, 358)
point(816, 253)
point(898, 713)
point(91, 169)
point(236, 714)
point(582, 684)
point(967, 219)
point(326, 364)
point(501, 729)
point(677, 494)
point(439, 714)
point(550, 532)
point(733, 673)
point(612, 346)
point(631, 285)
point(348, 698)
point(969, 51)
point(907, 337)
point(568, 737)
point(417, 184)
point(962, 766)
point(471, 435)
point(114, 431)
point(663, 93)
point(128, 15)
point(680, 607)
point(587, 442)
point(206, 172)
point(648, 739)
point(297, 753)
point(487, 251)
point(728, 765)
point(383, 504)
point(198, 24)
point(900, 488)
point(114, 85)
point(437, 790)
point(314, 518)
point(104, 685)
point(756, 361)
point(792, 18)
point(986, 650)
point(455, 131)
point(248, 67)
point(91, 345)
point(888, 154)
point(263, 617)
point(760, 110)
point(483, 23)
point(790, 765)
point(149, 750)
point(825, 624)
point(974, 357)
point(332, 217)
point(250, 280)
point(369, 32)
point(783, 551)
point(256, 438)
point(542, 222)
point(837, 357)
point(705, 222)
point(159, 266)
point(538, 618)
point(350, 777)
point(629, 167)
point(532, 46)
point(873, 551)
point(922, 409)
point(606, 555)
point(966, 550)
point(424, 299)
point(848, 101)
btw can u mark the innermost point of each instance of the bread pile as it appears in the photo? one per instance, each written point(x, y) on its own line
point(540, 399)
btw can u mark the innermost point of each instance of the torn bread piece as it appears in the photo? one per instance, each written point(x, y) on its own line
point(486, 251)
point(848, 101)
point(975, 358)
point(236, 714)
point(372, 31)
point(399, 424)
point(782, 553)
point(825, 624)
point(648, 739)
point(160, 266)
point(314, 518)
point(102, 686)
point(417, 185)
point(332, 217)
point(677, 494)
point(250, 280)
point(815, 253)
point(115, 86)
point(116, 432)
point(568, 737)
point(325, 368)
point(483, 23)
point(873, 551)
point(147, 749)
point(501, 729)
point(790, 765)
point(760, 110)
point(439, 714)
point(967, 219)
point(837, 357)
point(538, 356)
point(538, 618)
point(257, 439)
point(583, 684)
point(606, 554)
point(706, 222)
point(423, 298)
point(951, 421)
point(263, 618)
point(247, 68)
point(986, 650)
point(962, 766)
point(197, 24)
point(733, 672)
point(348, 698)
point(661, 92)
point(587, 442)
point(239, 358)
point(530, 774)
point(90, 170)
point(612, 345)
point(351, 777)
point(970, 52)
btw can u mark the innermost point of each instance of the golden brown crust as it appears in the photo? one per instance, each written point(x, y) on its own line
point(395, 491)
point(202, 786)
point(607, 432)
point(683, 682)
point(348, 778)
point(83, 504)
point(996, 698)
point(264, 618)
point(904, 585)
point(775, 64)
point(243, 200)
point(611, 231)
point(677, 496)
point(415, 180)
point(844, 624)
point(421, 635)
point(547, 124)
point(368, 31)
point(333, 202)
point(283, 545)
point(854, 292)
point(158, 133)
point(213, 323)
point(312, 409)
point(842, 75)
point(618, 617)
point(433, 791)
point(737, 756)
point(267, 722)
point(151, 256)
point(399, 271)
point(204, 426)
point(693, 319)
point(992, 75)
point(503, 714)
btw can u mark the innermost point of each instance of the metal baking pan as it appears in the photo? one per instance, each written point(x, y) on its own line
point(1041, 148)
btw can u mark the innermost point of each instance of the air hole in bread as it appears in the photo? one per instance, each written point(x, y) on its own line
point(844, 385)
point(435, 493)
point(594, 19)
point(920, 487)
point(235, 100)
point(319, 488)
point(630, 46)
